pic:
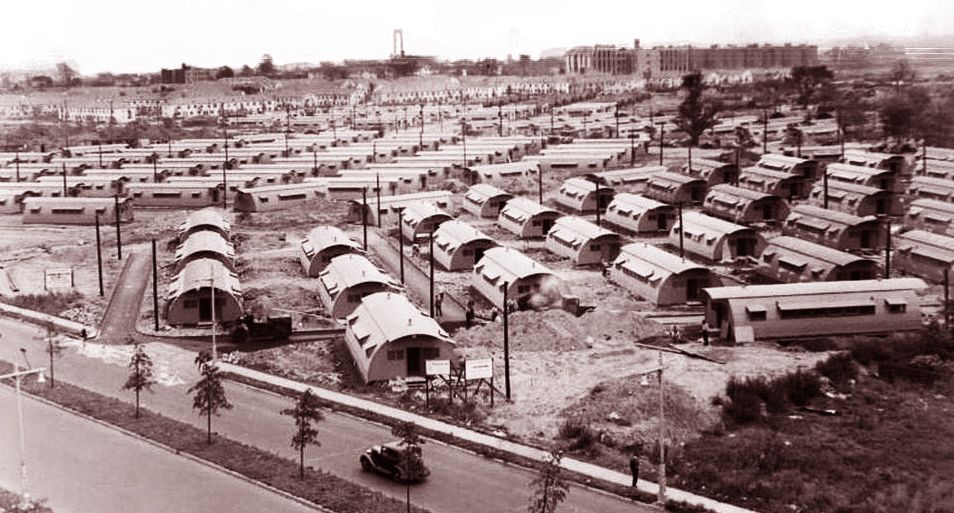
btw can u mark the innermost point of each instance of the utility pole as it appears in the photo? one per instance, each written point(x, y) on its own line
point(887, 248)
point(947, 298)
point(99, 146)
point(431, 279)
point(662, 436)
point(377, 186)
point(225, 165)
point(18, 375)
point(682, 250)
point(616, 115)
point(119, 234)
point(65, 194)
point(500, 120)
point(401, 241)
point(506, 329)
point(540, 184)
point(662, 135)
point(923, 157)
point(314, 159)
point(155, 287)
point(364, 215)
point(632, 148)
point(155, 170)
point(596, 193)
point(99, 258)
point(463, 135)
point(18, 165)
point(212, 292)
point(551, 120)
point(841, 141)
point(764, 131)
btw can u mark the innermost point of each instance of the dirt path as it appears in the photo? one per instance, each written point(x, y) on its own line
point(119, 320)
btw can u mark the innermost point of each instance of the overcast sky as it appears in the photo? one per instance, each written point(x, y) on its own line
point(145, 35)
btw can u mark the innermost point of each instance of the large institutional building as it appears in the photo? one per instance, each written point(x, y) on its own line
point(660, 61)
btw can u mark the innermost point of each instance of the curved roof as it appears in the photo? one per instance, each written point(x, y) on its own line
point(346, 271)
point(811, 250)
point(931, 204)
point(732, 192)
point(814, 288)
point(625, 202)
point(709, 225)
point(453, 234)
point(829, 215)
point(768, 174)
point(936, 246)
point(849, 187)
point(576, 230)
point(668, 177)
point(482, 192)
point(203, 241)
point(205, 217)
point(415, 213)
point(522, 208)
point(647, 260)
point(389, 316)
point(509, 264)
point(854, 173)
point(782, 162)
point(324, 237)
point(199, 273)
point(580, 187)
point(508, 168)
point(707, 164)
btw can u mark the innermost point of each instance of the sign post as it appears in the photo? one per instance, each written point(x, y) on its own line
point(432, 369)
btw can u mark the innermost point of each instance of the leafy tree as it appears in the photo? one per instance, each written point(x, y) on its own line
point(246, 71)
point(410, 439)
point(902, 73)
point(53, 349)
point(697, 113)
point(266, 66)
point(809, 80)
point(901, 114)
point(224, 72)
point(140, 373)
point(305, 413)
point(850, 112)
point(209, 393)
point(549, 488)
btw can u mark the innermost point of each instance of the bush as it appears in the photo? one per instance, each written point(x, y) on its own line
point(799, 387)
point(52, 303)
point(839, 368)
point(869, 351)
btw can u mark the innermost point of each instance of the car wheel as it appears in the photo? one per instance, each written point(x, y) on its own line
point(365, 464)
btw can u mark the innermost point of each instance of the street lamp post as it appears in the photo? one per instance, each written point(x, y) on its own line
point(662, 135)
point(17, 375)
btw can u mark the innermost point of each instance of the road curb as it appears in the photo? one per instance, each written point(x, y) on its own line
point(186, 455)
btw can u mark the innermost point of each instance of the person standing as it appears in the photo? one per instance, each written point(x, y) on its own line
point(438, 298)
point(634, 468)
point(705, 332)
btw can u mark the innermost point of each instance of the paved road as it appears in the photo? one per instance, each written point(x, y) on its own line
point(82, 467)
point(416, 280)
point(123, 311)
point(461, 482)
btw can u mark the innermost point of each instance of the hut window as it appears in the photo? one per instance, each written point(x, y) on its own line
point(67, 211)
point(430, 353)
point(594, 247)
point(190, 304)
point(896, 305)
point(756, 312)
point(468, 252)
point(396, 354)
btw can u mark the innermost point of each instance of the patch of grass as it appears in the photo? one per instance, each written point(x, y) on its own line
point(838, 368)
point(318, 486)
point(52, 303)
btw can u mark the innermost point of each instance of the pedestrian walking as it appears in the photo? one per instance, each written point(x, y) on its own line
point(438, 298)
point(705, 332)
point(634, 468)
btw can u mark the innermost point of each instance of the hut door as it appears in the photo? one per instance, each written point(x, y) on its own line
point(205, 309)
point(767, 212)
point(414, 361)
point(661, 222)
point(692, 289)
point(865, 239)
point(881, 206)
point(547, 224)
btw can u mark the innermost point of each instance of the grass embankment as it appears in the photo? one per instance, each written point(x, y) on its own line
point(869, 430)
point(52, 303)
point(318, 486)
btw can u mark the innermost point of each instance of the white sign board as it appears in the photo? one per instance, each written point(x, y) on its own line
point(58, 279)
point(480, 368)
point(437, 367)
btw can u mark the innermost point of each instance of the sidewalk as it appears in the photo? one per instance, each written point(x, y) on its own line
point(588, 469)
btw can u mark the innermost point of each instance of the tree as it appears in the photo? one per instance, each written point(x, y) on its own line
point(266, 66)
point(697, 113)
point(246, 71)
point(411, 464)
point(808, 80)
point(850, 112)
point(209, 393)
point(305, 413)
point(549, 487)
point(140, 373)
point(901, 113)
point(901, 73)
point(224, 72)
point(53, 348)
